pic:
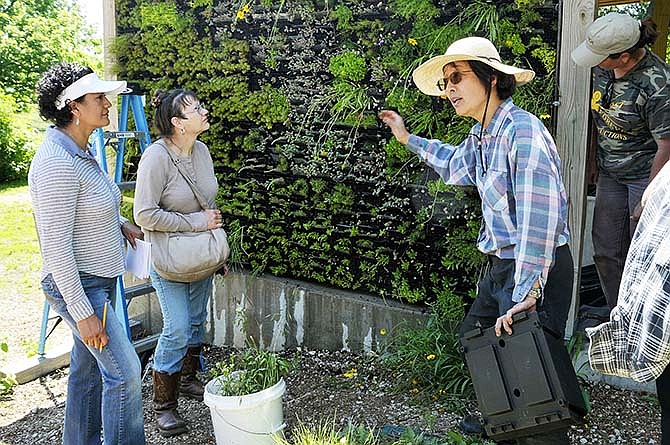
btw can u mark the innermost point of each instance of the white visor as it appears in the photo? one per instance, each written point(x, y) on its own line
point(90, 83)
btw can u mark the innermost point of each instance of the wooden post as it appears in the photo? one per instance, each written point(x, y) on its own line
point(574, 85)
point(108, 35)
point(661, 16)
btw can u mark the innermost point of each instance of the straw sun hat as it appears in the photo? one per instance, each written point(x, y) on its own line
point(429, 73)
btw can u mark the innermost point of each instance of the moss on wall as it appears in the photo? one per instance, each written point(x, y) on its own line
point(312, 186)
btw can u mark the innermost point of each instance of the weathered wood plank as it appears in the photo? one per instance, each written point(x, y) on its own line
point(602, 3)
point(35, 367)
point(108, 35)
point(661, 16)
point(572, 130)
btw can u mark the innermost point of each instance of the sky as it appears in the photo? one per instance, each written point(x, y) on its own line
point(92, 12)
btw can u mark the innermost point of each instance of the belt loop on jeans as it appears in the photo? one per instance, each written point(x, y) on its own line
point(486, 267)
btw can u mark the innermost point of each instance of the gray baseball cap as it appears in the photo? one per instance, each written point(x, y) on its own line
point(610, 34)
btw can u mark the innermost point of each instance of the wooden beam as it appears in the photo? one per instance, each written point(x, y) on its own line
point(29, 369)
point(574, 85)
point(603, 3)
point(108, 36)
point(661, 16)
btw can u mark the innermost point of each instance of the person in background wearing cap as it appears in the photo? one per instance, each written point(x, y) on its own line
point(512, 160)
point(76, 208)
point(630, 105)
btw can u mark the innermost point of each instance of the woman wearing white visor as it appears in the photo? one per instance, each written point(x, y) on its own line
point(76, 208)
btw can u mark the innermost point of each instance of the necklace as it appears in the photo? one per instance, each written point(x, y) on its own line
point(181, 150)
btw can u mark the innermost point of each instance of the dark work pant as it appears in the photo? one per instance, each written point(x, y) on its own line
point(663, 392)
point(613, 229)
point(494, 298)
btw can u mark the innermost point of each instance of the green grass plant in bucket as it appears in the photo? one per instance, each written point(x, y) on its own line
point(245, 397)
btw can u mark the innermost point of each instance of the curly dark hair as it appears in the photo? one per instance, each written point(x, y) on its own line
point(169, 104)
point(51, 84)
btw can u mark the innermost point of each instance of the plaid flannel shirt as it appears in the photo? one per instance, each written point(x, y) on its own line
point(518, 177)
point(635, 343)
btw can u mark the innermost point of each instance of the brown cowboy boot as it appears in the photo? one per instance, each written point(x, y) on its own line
point(189, 385)
point(168, 419)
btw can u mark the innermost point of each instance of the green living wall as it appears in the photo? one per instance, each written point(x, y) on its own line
point(312, 186)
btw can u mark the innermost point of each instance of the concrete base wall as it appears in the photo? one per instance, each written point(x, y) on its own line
point(283, 314)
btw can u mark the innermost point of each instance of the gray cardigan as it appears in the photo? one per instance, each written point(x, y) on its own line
point(164, 202)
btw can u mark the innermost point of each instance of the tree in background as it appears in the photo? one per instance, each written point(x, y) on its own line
point(34, 34)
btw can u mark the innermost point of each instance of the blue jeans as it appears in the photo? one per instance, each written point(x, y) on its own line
point(184, 308)
point(613, 229)
point(104, 388)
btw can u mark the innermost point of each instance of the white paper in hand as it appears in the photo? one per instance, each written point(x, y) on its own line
point(139, 259)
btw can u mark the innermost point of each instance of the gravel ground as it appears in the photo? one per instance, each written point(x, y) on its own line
point(318, 391)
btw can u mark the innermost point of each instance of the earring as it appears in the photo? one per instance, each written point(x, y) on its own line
point(76, 122)
point(182, 131)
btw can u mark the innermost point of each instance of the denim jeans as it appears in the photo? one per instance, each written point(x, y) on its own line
point(184, 307)
point(494, 297)
point(104, 388)
point(613, 229)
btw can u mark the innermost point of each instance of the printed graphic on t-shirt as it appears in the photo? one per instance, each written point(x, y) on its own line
point(629, 113)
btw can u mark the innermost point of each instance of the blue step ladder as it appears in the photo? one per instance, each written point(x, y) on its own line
point(101, 139)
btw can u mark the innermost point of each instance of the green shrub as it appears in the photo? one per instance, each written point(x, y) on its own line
point(428, 360)
point(15, 151)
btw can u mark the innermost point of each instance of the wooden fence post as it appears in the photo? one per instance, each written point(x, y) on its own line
point(574, 87)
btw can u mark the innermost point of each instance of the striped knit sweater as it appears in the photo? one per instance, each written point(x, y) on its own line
point(76, 208)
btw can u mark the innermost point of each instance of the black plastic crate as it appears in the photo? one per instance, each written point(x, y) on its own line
point(525, 382)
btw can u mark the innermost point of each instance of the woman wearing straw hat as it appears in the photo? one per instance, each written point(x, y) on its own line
point(81, 234)
point(511, 158)
point(630, 105)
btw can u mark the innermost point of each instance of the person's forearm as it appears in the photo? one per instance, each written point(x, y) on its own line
point(402, 136)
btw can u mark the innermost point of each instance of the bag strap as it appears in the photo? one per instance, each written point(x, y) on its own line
point(196, 191)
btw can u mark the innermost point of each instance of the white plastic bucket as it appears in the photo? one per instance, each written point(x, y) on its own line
point(253, 419)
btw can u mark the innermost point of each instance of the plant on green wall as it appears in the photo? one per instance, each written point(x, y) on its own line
point(416, 9)
point(348, 65)
point(312, 187)
point(482, 16)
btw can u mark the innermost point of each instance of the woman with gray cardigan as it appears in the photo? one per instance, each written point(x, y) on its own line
point(164, 202)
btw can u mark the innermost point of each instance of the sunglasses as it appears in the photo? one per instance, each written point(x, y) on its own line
point(453, 78)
